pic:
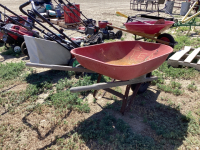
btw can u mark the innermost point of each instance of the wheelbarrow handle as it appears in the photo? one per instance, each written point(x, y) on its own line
point(143, 35)
point(59, 67)
point(106, 85)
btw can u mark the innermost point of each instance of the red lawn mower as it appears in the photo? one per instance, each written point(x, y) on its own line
point(12, 30)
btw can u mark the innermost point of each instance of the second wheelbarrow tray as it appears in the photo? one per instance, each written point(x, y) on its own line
point(128, 61)
point(150, 30)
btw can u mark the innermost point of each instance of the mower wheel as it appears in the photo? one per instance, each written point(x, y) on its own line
point(24, 49)
point(118, 34)
point(6, 45)
point(1, 43)
point(16, 48)
point(166, 37)
point(143, 86)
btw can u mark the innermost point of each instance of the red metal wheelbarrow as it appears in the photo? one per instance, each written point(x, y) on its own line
point(150, 30)
point(123, 60)
point(128, 61)
point(148, 27)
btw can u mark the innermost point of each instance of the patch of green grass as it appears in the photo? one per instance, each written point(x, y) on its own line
point(170, 89)
point(179, 73)
point(115, 133)
point(184, 40)
point(35, 89)
point(66, 99)
point(8, 51)
point(66, 83)
point(86, 80)
point(172, 126)
point(184, 28)
point(11, 71)
point(160, 76)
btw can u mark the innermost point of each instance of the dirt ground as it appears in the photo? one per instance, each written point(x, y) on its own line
point(44, 137)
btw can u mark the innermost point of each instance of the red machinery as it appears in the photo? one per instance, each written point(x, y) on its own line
point(70, 17)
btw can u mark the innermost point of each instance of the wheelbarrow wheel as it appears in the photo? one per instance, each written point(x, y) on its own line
point(143, 87)
point(166, 37)
point(118, 34)
point(24, 49)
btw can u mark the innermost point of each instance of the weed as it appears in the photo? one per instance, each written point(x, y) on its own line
point(65, 99)
point(191, 87)
point(94, 100)
point(64, 84)
point(122, 39)
point(175, 85)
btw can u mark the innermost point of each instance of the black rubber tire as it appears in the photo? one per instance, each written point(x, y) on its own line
point(143, 87)
point(24, 49)
point(166, 37)
point(118, 34)
point(71, 61)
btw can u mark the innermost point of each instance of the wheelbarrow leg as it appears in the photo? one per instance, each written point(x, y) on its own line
point(134, 95)
point(125, 98)
point(98, 80)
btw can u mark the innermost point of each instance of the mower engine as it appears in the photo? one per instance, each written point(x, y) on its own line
point(51, 36)
point(8, 20)
point(108, 31)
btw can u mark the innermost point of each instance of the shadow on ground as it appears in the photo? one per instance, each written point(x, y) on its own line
point(147, 125)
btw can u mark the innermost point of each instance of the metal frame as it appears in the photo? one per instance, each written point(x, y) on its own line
point(105, 86)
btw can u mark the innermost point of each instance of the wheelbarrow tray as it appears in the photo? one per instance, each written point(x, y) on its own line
point(138, 26)
point(46, 52)
point(123, 60)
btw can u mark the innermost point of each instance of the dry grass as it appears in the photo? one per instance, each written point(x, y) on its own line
point(37, 111)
